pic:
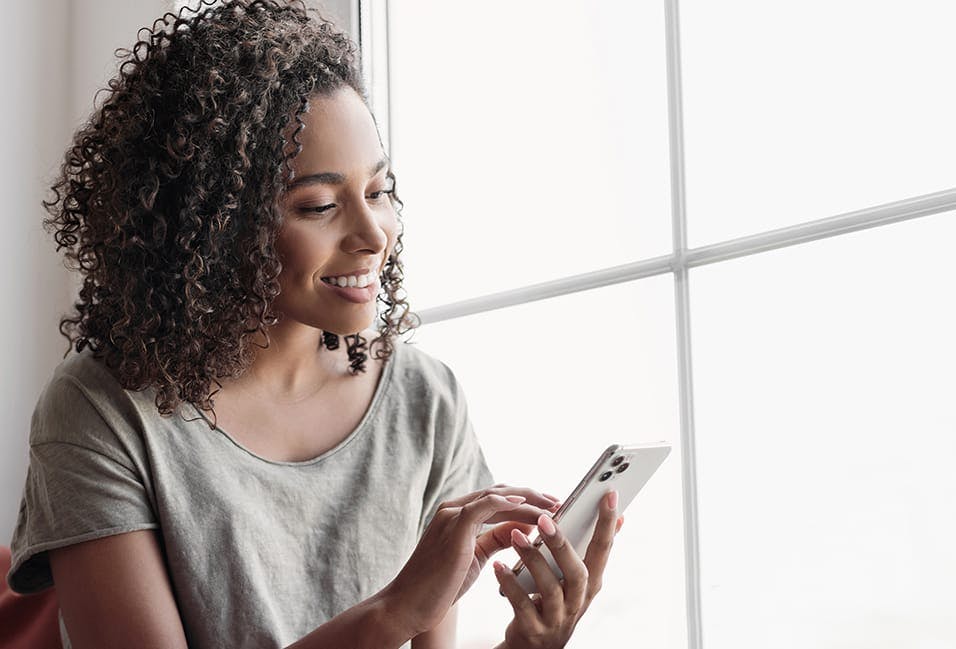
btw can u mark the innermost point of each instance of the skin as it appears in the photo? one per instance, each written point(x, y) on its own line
point(548, 620)
point(122, 578)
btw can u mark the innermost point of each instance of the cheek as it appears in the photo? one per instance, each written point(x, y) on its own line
point(301, 253)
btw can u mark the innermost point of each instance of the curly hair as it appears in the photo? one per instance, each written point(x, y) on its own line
point(168, 200)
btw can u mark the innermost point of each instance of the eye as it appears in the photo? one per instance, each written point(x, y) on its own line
point(318, 209)
point(377, 195)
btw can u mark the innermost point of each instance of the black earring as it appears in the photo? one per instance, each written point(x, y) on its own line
point(355, 347)
point(330, 340)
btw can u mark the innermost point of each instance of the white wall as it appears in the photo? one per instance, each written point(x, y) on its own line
point(34, 131)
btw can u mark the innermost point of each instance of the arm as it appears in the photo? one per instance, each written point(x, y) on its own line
point(121, 579)
point(114, 591)
point(442, 636)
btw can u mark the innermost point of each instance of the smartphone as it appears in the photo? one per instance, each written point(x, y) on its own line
point(622, 468)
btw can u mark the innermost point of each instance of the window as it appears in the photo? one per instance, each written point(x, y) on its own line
point(801, 157)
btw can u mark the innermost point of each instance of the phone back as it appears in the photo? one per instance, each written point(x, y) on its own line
point(625, 469)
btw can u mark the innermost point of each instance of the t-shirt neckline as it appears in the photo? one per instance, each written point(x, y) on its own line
point(377, 397)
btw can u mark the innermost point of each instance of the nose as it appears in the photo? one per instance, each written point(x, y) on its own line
point(369, 228)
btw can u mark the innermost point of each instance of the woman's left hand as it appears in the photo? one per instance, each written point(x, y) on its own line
point(547, 620)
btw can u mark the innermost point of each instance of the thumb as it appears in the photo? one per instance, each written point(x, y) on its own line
point(496, 539)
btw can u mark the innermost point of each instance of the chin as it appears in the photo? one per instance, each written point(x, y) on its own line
point(348, 328)
point(332, 318)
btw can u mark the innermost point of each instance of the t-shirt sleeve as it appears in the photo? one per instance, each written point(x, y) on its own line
point(459, 465)
point(84, 481)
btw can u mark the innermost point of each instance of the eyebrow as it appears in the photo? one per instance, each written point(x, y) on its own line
point(332, 177)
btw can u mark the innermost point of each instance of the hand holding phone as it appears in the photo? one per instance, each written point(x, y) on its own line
point(625, 469)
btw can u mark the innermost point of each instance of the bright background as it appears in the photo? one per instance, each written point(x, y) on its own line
point(530, 143)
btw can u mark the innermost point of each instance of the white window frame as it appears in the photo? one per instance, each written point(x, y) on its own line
point(374, 27)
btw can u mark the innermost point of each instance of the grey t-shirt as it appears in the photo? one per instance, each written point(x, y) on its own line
point(258, 552)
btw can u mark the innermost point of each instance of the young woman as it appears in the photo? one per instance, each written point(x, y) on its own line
point(210, 466)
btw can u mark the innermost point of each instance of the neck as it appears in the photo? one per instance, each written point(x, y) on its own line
point(294, 367)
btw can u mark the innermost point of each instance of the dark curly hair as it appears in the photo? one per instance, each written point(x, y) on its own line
point(168, 200)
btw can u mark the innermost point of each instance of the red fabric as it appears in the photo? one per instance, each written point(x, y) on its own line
point(26, 621)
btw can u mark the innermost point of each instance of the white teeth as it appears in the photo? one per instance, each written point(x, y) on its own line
point(351, 281)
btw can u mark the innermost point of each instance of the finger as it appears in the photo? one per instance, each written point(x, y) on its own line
point(574, 570)
point(496, 539)
point(526, 513)
point(600, 546)
point(620, 524)
point(557, 503)
point(548, 586)
point(479, 511)
point(524, 608)
point(531, 496)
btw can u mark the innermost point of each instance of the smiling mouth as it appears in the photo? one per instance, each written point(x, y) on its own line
point(351, 281)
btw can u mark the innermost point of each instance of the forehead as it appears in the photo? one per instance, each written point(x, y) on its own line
point(339, 135)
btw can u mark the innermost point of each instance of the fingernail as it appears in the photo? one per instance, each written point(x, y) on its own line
point(519, 539)
point(500, 568)
point(546, 525)
point(612, 500)
point(515, 499)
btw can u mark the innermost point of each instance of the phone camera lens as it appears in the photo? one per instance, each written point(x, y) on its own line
point(623, 467)
point(606, 475)
point(617, 460)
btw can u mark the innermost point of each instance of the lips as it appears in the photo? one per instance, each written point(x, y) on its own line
point(358, 271)
point(357, 278)
point(356, 294)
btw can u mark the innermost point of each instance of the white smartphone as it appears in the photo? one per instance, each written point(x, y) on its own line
point(622, 468)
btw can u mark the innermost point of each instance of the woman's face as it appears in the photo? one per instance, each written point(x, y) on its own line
point(339, 225)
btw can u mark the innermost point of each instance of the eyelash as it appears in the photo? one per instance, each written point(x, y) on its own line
point(324, 208)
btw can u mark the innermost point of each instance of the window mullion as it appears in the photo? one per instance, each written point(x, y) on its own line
point(682, 306)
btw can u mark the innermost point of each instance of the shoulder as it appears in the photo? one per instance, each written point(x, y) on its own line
point(426, 389)
point(418, 370)
point(84, 369)
point(81, 395)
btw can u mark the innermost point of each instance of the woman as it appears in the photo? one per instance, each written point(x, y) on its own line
point(234, 218)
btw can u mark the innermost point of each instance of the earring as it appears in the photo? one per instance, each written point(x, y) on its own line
point(355, 347)
point(330, 340)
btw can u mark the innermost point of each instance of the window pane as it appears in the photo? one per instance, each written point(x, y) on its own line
point(799, 111)
point(529, 140)
point(547, 393)
point(825, 430)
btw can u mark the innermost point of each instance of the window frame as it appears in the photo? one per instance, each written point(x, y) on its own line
point(375, 47)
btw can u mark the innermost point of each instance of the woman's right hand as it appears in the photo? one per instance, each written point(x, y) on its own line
point(452, 551)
